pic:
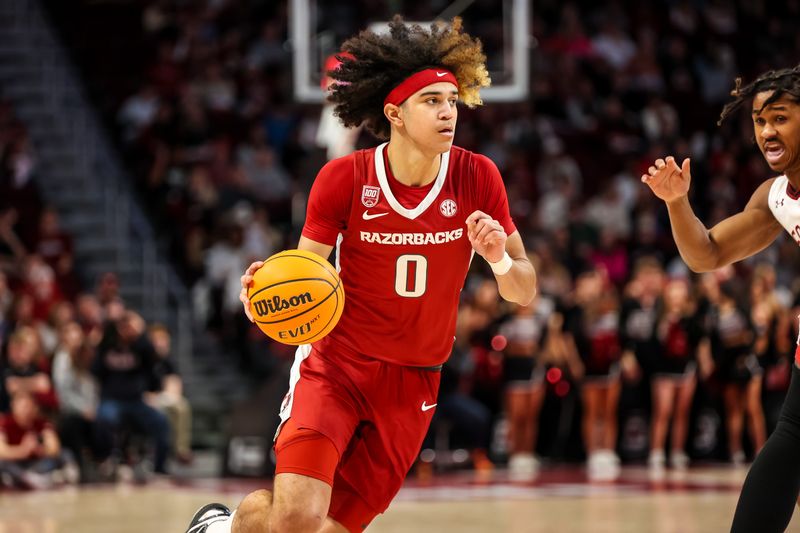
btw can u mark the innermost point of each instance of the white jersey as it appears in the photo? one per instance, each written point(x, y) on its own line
point(784, 202)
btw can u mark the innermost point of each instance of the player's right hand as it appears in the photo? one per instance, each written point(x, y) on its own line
point(247, 280)
point(667, 180)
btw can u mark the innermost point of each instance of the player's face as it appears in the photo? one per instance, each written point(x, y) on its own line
point(777, 131)
point(430, 115)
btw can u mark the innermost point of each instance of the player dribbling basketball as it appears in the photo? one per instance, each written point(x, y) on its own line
point(406, 218)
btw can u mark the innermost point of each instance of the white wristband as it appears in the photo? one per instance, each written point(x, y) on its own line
point(502, 266)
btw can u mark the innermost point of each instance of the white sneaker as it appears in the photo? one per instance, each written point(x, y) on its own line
point(72, 473)
point(603, 465)
point(36, 481)
point(656, 460)
point(679, 460)
point(738, 458)
point(522, 467)
point(207, 515)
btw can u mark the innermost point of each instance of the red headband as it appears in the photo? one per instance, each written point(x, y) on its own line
point(417, 81)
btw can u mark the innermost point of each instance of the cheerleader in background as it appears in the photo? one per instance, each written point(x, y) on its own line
point(593, 322)
point(675, 339)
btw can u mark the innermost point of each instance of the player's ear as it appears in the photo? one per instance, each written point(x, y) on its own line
point(393, 114)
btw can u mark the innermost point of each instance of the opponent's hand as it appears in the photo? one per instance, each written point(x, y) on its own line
point(247, 280)
point(487, 236)
point(667, 180)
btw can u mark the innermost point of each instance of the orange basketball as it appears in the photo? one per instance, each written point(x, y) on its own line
point(296, 297)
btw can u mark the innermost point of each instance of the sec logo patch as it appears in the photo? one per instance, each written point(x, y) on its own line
point(448, 208)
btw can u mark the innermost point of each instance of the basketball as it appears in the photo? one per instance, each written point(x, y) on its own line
point(296, 297)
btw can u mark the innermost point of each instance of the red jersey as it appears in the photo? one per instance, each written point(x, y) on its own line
point(14, 433)
point(402, 252)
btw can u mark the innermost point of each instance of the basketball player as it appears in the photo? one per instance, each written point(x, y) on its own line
point(406, 218)
point(773, 483)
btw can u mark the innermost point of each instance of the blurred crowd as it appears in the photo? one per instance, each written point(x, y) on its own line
point(626, 345)
point(84, 382)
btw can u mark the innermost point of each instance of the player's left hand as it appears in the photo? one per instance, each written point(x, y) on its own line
point(487, 236)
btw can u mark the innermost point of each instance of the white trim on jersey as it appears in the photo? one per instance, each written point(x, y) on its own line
point(339, 239)
point(784, 208)
point(300, 355)
point(426, 202)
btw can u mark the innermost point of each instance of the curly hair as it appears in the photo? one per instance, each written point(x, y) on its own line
point(383, 61)
point(783, 81)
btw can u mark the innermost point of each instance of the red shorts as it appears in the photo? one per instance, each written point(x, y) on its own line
point(376, 415)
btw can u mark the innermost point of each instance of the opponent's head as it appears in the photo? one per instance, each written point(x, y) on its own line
point(408, 81)
point(776, 116)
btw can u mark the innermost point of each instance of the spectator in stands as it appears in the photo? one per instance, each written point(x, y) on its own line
point(55, 247)
point(224, 262)
point(613, 45)
point(90, 316)
point(138, 112)
point(108, 290)
point(267, 179)
point(23, 370)
point(12, 251)
point(40, 283)
point(6, 302)
point(169, 398)
point(556, 167)
point(125, 368)
point(78, 395)
point(30, 452)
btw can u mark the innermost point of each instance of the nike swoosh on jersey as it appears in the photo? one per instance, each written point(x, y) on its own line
point(427, 407)
point(367, 216)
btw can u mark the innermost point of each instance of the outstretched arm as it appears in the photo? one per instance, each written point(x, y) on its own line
point(735, 238)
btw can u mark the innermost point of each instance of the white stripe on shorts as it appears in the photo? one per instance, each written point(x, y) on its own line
point(302, 353)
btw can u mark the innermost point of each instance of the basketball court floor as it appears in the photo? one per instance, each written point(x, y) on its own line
point(561, 500)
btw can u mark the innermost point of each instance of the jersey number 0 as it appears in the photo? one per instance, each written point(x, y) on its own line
point(411, 275)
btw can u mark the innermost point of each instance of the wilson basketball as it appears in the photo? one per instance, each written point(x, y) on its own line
point(297, 297)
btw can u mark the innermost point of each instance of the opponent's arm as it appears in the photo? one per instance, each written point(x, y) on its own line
point(489, 240)
point(735, 238)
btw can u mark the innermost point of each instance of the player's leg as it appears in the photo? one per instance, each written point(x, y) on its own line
point(298, 502)
point(257, 512)
point(773, 482)
point(321, 419)
point(378, 458)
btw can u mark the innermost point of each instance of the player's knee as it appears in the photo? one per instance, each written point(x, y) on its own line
point(295, 519)
point(255, 508)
